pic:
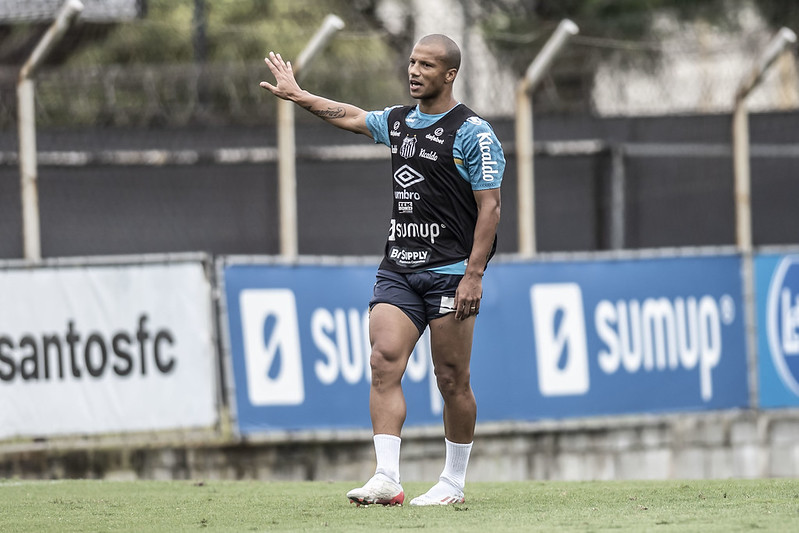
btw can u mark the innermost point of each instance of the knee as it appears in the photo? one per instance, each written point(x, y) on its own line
point(385, 365)
point(452, 380)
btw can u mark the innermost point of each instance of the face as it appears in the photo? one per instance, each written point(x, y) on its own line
point(427, 72)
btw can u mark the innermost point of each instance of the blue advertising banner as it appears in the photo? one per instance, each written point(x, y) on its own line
point(610, 337)
point(777, 304)
point(553, 340)
point(299, 345)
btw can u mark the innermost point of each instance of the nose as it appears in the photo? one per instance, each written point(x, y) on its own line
point(413, 69)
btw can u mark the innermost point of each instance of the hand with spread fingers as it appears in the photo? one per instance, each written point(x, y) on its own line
point(341, 115)
point(286, 86)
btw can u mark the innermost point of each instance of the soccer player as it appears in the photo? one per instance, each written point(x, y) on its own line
point(447, 170)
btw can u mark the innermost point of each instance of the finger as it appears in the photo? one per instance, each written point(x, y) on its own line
point(277, 62)
point(272, 66)
point(268, 86)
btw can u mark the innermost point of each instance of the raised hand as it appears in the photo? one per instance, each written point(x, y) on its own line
point(345, 116)
point(286, 86)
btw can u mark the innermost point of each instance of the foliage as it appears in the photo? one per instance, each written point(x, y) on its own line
point(235, 30)
point(168, 69)
point(509, 23)
point(152, 71)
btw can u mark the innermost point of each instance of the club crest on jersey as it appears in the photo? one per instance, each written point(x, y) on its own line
point(408, 148)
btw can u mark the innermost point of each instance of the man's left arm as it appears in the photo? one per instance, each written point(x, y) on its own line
point(470, 289)
point(482, 161)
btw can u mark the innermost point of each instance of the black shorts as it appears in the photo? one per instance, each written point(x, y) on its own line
point(423, 296)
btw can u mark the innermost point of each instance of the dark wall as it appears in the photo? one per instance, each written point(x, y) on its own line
point(344, 206)
point(10, 213)
point(119, 210)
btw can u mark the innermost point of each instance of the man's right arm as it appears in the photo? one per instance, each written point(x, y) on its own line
point(345, 116)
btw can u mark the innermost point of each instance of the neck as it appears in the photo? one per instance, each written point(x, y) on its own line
point(437, 105)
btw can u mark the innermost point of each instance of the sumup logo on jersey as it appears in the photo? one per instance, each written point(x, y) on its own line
point(782, 321)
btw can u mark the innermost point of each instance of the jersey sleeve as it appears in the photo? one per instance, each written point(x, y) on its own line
point(478, 154)
point(377, 122)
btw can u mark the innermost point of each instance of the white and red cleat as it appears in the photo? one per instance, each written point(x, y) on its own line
point(442, 493)
point(378, 491)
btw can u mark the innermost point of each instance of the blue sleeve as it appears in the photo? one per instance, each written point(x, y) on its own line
point(377, 122)
point(478, 154)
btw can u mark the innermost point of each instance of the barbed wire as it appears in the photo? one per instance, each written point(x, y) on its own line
point(688, 73)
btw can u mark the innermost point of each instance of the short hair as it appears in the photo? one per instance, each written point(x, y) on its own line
point(452, 54)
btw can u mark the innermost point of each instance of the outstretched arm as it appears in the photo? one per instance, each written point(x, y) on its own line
point(345, 116)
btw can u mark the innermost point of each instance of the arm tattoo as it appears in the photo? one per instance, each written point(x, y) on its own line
point(330, 112)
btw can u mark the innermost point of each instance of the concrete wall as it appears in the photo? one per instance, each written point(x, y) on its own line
point(730, 444)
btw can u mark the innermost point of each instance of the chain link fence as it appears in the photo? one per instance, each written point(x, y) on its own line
point(681, 67)
point(147, 148)
point(21, 11)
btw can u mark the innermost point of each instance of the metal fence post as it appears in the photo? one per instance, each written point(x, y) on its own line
point(743, 198)
point(524, 133)
point(618, 201)
point(286, 165)
point(26, 117)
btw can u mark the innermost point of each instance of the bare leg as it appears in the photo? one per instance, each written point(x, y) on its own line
point(393, 336)
point(451, 344)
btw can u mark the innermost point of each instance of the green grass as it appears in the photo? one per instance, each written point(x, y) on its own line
point(662, 506)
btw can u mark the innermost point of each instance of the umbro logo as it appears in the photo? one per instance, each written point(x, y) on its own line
point(406, 176)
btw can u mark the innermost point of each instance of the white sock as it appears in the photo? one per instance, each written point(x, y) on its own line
point(457, 459)
point(387, 451)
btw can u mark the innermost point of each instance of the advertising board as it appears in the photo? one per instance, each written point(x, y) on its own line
point(777, 305)
point(106, 349)
point(553, 340)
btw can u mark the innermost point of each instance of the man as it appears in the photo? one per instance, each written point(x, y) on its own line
point(448, 167)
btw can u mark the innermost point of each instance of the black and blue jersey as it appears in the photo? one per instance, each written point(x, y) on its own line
point(438, 161)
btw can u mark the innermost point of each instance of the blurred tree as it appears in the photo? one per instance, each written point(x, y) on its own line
point(234, 30)
point(238, 34)
point(509, 23)
point(200, 60)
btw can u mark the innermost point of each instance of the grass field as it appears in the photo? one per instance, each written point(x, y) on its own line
point(729, 505)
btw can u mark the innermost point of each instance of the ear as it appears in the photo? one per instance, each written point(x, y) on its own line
point(450, 75)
